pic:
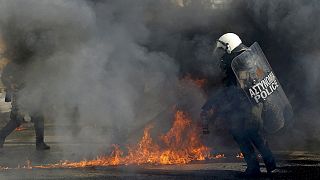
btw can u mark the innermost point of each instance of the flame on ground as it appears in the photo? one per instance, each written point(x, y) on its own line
point(219, 156)
point(240, 156)
point(180, 145)
point(20, 128)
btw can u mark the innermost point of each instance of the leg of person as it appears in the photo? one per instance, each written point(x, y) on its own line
point(38, 121)
point(261, 144)
point(15, 121)
point(240, 136)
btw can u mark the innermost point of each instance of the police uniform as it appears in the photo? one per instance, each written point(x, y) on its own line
point(245, 122)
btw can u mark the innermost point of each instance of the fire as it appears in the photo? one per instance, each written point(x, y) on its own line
point(219, 156)
point(201, 83)
point(20, 128)
point(240, 156)
point(180, 145)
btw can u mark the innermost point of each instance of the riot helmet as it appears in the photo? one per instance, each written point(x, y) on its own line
point(226, 44)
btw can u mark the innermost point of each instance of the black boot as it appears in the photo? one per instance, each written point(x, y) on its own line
point(40, 146)
point(270, 165)
point(39, 129)
point(247, 149)
point(252, 172)
point(253, 168)
point(260, 141)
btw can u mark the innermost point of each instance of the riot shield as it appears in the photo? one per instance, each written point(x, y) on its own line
point(260, 84)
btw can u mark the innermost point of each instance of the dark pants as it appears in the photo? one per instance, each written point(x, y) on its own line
point(232, 105)
point(247, 140)
point(16, 120)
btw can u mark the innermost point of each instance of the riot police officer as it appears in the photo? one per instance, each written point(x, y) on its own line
point(231, 102)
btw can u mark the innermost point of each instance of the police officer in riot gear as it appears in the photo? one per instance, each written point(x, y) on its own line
point(11, 77)
point(232, 103)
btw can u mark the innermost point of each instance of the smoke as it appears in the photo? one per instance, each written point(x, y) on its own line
point(87, 68)
point(286, 30)
point(291, 30)
point(101, 70)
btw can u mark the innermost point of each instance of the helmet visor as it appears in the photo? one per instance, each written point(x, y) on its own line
point(218, 52)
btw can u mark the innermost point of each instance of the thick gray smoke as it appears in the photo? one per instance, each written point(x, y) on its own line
point(107, 68)
point(286, 30)
point(87, 68)
point(289, 33)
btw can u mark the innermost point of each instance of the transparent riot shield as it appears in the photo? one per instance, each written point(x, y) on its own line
point(262, 87)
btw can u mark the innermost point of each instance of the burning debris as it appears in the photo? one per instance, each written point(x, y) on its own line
point(240, 156)
point(87, 56)
point(219, 156)
point(180, 145)
point(21, 128)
